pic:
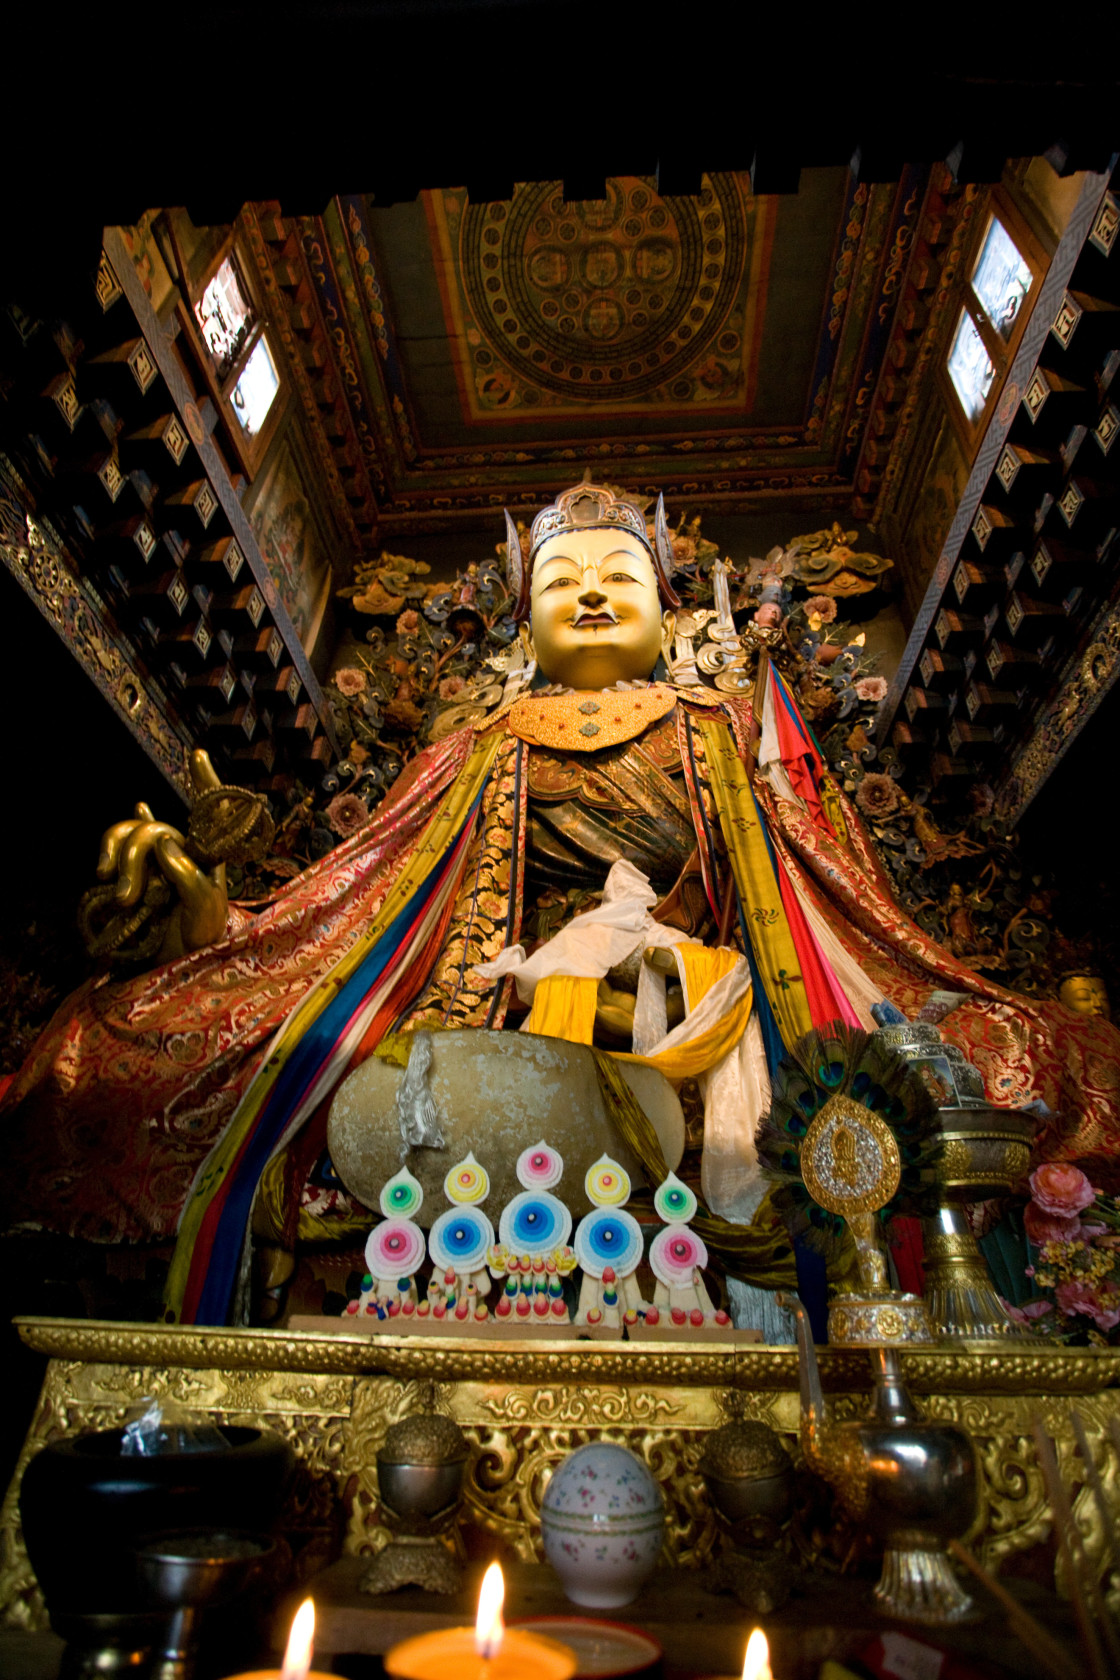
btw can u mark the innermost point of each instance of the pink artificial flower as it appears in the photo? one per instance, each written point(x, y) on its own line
point(349, 680)
point(872, 688)
point(450, 687)
point(1101, 1304)
point(823, 607)
point(408, 622)
point(346, 813)
point(1043, 1227)
point(1026, 1314)
point(1061, 1189)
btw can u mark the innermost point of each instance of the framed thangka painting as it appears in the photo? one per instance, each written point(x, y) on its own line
point(292, 542)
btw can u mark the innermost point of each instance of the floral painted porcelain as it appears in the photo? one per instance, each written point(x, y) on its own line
point(602, 1521)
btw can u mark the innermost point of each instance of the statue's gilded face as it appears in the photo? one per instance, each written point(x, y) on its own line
point(1085, 995)
point(596, 613)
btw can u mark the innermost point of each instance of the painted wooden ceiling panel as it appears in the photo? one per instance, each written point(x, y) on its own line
point(721, 342)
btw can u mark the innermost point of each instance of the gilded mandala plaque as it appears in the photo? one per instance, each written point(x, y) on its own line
point(850, 1160)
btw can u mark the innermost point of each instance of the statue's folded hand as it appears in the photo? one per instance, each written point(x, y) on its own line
point(130, 855)
point(203, 903)
point(164, 893)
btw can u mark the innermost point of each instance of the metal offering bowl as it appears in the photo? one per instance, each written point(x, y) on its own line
point(420, 1469)
point(747, 1498)
point(420, 1490)
point(198, 1567)
point(189, 1572)
point(987, 1151)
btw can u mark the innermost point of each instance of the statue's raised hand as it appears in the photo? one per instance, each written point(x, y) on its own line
point(165, 893)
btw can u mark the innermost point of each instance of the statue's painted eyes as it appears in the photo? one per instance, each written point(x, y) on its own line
point(560, 583)
point(620, 577)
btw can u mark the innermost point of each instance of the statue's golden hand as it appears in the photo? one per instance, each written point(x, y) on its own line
point(135, 851)
point(203, 902)
point(614, 1009)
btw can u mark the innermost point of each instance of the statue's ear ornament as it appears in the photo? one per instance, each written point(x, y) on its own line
point(663, 556)
point(517, 574)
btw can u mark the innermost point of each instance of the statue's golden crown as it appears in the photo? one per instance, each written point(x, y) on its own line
point(583, 507)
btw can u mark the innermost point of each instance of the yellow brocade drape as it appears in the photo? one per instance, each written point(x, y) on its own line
point(759, 892)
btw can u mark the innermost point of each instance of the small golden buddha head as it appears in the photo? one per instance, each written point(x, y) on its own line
point(1085, 994)
point(594, 586)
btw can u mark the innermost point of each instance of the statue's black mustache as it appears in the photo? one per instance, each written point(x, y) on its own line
point(595, 613)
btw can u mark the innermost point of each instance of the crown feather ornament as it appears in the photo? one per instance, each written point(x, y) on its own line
point(852, 1131)
point(588, 507)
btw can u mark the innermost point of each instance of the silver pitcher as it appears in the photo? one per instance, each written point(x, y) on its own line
point(913, 1483)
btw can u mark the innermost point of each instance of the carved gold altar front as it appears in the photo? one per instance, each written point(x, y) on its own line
point(524, 1405)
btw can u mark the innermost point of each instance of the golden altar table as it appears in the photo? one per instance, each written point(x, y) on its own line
point(523, 1406)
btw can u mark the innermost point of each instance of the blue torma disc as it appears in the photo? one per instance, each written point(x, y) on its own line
point(608, 1237)
point(535, 1222)
point(460, 1238)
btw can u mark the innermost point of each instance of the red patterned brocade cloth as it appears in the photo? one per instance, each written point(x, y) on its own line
point(132, 1082)
point(1026, 1049)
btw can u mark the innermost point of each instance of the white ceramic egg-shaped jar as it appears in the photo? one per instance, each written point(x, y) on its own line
point(602, 1521)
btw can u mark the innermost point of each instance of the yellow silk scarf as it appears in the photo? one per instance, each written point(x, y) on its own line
point(564, 1007)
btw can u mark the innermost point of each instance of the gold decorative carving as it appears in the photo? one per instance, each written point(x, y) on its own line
point(543, 1364)
point(893, 1319)
point(523, 1407)
point(1002, 1160)
point(558, 720)
point(603, 1406)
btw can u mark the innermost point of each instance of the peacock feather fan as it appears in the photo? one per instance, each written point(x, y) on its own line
point(837, 1061)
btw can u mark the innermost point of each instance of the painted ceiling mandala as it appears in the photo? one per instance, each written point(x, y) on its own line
point(627, 297)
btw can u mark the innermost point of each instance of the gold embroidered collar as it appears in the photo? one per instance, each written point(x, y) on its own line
point(584, 720)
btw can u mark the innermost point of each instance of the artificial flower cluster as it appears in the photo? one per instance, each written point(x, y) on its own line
point(1078, 1265)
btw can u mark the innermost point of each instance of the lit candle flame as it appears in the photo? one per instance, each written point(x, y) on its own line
point(489, 1627)
point(756, 1663)
point(297, 1658)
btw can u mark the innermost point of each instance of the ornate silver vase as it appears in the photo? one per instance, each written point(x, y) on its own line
point(987, 1151)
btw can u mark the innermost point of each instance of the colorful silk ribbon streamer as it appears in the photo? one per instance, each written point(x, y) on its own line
point(378, 977)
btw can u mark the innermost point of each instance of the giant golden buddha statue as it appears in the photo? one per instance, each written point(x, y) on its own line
point(161, 1104)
